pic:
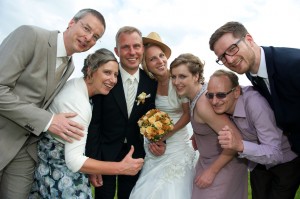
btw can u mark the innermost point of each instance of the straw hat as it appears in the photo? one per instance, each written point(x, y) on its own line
point(154, 38)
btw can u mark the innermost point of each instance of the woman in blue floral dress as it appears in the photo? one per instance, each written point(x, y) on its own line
point(61, 167)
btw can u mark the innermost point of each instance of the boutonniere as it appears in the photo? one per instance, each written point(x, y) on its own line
point(142, 97)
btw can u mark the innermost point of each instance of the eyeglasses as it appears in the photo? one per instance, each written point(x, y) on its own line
point(87, 30)
point(219, 95)
point(232, 50)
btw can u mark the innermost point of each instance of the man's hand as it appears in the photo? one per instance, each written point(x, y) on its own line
point(157, 148)
point(96, 180)
point(228, 140)
point(130, 166)
point(65, 128)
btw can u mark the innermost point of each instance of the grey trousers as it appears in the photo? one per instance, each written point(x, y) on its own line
point(17, 177)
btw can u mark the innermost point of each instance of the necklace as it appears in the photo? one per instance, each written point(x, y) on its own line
point(193, 102)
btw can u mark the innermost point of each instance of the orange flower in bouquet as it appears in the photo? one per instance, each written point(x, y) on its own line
point(155, 124)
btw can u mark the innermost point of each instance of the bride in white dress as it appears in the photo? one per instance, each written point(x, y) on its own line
point(169, 176)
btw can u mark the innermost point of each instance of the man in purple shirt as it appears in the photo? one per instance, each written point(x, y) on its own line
point(274, 166)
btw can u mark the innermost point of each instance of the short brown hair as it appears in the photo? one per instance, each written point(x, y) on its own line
point(237, 29)
point(193, 63)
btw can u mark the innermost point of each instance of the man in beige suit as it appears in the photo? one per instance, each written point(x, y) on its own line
point(30, 58)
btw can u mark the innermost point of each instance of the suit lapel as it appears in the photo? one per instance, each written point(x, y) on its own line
point(118, 93)
point(54, 89)
point(270, 67)
point(51, 57)
point(68, 72)
point(270, 71)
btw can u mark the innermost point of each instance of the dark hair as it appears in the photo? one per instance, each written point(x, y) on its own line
point(194, 64)
point(237, 29)
point(234, 79)
point(82, 13)
point(127, 30)
point(96, 60)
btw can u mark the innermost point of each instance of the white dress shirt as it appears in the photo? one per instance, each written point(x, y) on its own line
point(262, 70)
point(125, 75)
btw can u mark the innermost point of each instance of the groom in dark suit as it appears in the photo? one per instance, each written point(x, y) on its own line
point(273, 71)
point(114, 128)
point(30, 58)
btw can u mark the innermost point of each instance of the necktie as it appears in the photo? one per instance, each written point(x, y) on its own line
point(130, 94)
point(260, 83)
point(60, 70)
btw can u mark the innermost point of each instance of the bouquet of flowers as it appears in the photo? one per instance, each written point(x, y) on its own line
point(155, 124)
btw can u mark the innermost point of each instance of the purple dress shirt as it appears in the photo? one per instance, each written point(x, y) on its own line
point(263, 141)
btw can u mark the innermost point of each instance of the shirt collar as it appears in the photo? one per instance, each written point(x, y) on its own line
point(61, 49)
point(239, 109)
point(125, 75)
point(262, 70)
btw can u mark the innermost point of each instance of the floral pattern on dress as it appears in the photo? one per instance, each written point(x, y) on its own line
point(173, 168)
point(52, 178)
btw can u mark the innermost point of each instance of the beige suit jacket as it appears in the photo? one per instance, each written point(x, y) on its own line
point(27, 86)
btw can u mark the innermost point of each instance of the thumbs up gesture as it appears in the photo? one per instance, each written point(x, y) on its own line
point(129, 165)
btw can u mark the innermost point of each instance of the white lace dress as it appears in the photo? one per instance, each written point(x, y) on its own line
point(170, 175)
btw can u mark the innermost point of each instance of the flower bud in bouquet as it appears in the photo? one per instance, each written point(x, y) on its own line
point(155, 124)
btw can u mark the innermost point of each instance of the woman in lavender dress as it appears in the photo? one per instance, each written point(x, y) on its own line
point(219, 173)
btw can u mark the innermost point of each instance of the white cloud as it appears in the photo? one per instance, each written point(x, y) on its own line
point(185, 26)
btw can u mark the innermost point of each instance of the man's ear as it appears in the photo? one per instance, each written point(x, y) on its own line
point(237, 92)
point(116, 51)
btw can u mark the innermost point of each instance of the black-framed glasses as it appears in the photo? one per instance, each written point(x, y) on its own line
point(88, 30)
point(232, 50)
point(219, 95)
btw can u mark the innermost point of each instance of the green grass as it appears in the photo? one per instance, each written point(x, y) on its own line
point(93, 192)
point(249, 191)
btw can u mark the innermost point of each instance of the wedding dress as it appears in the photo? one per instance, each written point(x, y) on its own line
point(169, 176)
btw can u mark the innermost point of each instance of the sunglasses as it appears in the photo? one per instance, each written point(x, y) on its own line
point(219, 95)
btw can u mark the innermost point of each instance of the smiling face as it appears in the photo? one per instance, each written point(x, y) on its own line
point(103, 79)
point(83, 34)
point(185, 82)
point(222, 84)
point(156, 61)
point(130, 50)
point(244, 60)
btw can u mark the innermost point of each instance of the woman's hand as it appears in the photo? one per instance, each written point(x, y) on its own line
point(96, 180)
point(129, 165)
point(205, 179)
point(157, 148)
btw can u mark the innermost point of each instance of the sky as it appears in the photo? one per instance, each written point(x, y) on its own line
point(185, 26)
